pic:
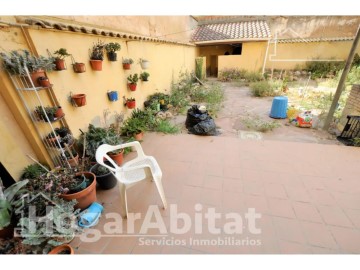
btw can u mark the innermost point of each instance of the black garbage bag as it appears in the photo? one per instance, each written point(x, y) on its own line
point(200, 123)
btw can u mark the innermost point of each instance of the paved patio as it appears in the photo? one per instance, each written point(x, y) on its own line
point(307, 194)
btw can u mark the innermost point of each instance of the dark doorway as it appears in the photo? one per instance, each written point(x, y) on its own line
point(213, 65)
point(237, 49)
point(5, 176)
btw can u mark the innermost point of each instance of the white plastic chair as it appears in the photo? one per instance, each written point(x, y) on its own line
point(131, 172)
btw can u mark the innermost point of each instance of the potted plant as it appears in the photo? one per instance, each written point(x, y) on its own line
point(46, 113)
point(118, 155)
point(144, 76)
point(59, 112)
point(112, 95)
point(62, 250)
point(111, 49)
point(8, 199)
point(78, 100)
point(72, 159)
point(77, 66)
point(132, 79)
point(127, 63)
point(104, 177)
point(97, 55)
point(130, 103)
point(33, 171)
point(133, 127)
point(62, 131)
point(44, 81)
point(60, 58)
point(144, 63)
point(15, 62)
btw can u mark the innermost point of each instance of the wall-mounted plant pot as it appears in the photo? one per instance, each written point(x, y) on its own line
point(84, 197)
point(59, 112)
point(144, 64)
point(35, 77)
point(126, 66)
point(112, 56)
point(62, 132)
point(132, 86)
point(131, 104)
point(60, 64)
point(62, 250)
point(79, 67)
point(96, 65)
point(50, 117)
point(79, 99)
point(113, 95)
point(52, 141)
point(44, 82)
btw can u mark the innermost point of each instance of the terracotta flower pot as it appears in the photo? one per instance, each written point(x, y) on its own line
point(79, 99)
point(60, 64)
point(139, 136)
point(44, 82)
point(59, 112)
point(79, 67)
point(131, 104)
point(132, 86)
point(36, 75)
point(86, 196)
point(74, 161)
point(62, 249)
point(96, 65)
point(118, 158)
point(126, 66)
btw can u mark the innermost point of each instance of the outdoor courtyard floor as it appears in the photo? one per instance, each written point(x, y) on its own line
point(307, 195)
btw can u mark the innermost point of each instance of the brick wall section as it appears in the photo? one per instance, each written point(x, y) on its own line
point(352, 106)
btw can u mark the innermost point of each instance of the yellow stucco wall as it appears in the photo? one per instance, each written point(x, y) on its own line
point(251, 58)
point(207, 51)
point(307, 51)
point(166, 61)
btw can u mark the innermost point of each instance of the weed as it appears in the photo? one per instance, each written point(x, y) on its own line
point(231, 74)
point(356, 141)
point(254, 122)
point(262, 89)
point(166, 127)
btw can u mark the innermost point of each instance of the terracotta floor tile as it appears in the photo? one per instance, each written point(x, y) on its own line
point(299, 194)
point(213, 182)
point(258, 202)
point(232, 172)
point(354, 216)
point(322, 197)
point(281, 208)
point(274, 190)
point(176, 249)
point(345, 200)
point(313, 182)
point(288, 229)
point(333, 215)
point(348, 239)
point(307, 212)
point(318, 235)
point(193, 179)
point(252, 175)
point(233, 185)
point(233, 201)
point(287, 247)
point(253, 187)
point(211, 196)
point(120, 245)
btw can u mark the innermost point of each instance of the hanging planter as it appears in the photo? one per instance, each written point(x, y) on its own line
point(59, 112)
point(112, 95)
point(36, 75)
point(130, 103)
point(79, 100)
point(78, 67)
point(111, 49)
point(60, 59)
point(144, 76)
point(44, 82)
point(132, 79)
point(96, 65)
point(144, 63)
point(127, 63)
point(97, 55)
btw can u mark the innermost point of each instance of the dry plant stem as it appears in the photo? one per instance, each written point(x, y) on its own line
point(70, 153)
point(33, 159)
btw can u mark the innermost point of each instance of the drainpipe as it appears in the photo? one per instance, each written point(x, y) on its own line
point(265, 58)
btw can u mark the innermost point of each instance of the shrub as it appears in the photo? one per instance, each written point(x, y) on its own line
point(262, 89)
point(230, 74)
point(166, 127)
point(252, 76)
point(199, 68)
point(321, 69)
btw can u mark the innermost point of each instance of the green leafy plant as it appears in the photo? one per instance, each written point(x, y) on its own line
point(97, 51)
point(133, 78)
point(61, 53)
point(133, 126)
point(112, 47)
point(230, 74)
point(166, 127)
point(15, 61)
point(144, 76)
point(262, 89)
point(33, 171)
point(8, 199)
point(356, 141)
point(199, 68)
point(49, 111)
point(127, 61)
